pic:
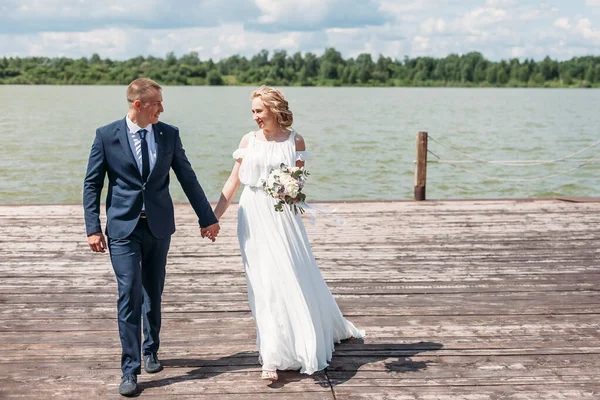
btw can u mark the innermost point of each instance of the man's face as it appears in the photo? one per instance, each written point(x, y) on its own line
point(150, 107)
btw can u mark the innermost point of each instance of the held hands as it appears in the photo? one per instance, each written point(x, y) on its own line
point(96, 242)
point(210, 232)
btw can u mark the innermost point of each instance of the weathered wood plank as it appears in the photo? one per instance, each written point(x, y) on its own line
point(474, 392)
point(171, 382)
point(460, 300)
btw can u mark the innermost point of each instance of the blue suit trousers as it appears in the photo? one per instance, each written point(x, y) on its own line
point(139, 262)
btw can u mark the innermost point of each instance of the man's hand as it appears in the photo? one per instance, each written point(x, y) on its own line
point(97, 242)
point(211, 231)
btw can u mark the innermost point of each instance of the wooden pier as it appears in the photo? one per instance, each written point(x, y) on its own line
point(495, 299)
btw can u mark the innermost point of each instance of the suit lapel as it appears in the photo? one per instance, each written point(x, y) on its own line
point(122, 134)
point(159, 141)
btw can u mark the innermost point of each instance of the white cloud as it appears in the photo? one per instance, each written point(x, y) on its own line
point(433, 25)
point(217, 29)
point(305, 15)
point(111, 43)
point(579, 29)
point(26, 16)
point(306, 10)
point(483, 17)
point(500, 3)
point(400, 8)
point(224, 41)
point(585, 29)
point(563, 23)
point(532, 15)
point(420, 45)
point(67, 9)
point(518, 52)
point(117, 43)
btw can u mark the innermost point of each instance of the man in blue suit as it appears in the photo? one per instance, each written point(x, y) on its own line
point(137, 153)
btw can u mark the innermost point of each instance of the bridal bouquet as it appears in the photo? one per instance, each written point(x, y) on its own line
point(285, 184)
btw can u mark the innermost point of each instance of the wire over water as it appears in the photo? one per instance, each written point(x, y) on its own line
point(514, 163)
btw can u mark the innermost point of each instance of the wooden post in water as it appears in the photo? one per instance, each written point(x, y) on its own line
point(421, 166)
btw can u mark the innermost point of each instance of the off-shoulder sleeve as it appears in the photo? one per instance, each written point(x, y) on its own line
point(239, 153)
point(303, 155)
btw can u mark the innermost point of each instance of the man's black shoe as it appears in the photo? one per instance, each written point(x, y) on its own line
point(128, 386)
point(151, 364)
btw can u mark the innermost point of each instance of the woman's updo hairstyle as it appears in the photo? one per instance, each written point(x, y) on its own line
point(277, 104)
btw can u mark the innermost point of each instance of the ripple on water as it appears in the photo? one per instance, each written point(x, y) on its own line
point(362, 140)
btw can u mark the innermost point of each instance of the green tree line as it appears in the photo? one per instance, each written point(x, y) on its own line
point(308, 69)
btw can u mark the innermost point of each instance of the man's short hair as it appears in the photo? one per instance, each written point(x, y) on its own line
point(139, 88)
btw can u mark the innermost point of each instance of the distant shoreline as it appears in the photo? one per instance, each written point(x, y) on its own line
point(327, 86)
point(470, 70)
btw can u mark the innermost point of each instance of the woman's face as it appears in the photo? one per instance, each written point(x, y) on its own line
point(264, 118)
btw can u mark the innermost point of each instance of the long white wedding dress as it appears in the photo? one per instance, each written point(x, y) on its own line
point(297, 318)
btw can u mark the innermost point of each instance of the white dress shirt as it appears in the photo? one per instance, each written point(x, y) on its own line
point(135, 142)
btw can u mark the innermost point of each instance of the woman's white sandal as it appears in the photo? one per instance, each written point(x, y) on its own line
point(269, 375)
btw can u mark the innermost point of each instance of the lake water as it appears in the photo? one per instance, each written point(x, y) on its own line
point(362, 139)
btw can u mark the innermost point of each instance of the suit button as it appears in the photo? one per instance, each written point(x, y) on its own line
point(143, 187)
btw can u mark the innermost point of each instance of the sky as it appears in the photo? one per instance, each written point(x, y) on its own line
point(216, 29)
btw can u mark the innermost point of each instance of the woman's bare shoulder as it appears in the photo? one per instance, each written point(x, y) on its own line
point(300, 144)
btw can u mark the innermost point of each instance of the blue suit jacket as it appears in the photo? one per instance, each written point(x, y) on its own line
point(111, 155)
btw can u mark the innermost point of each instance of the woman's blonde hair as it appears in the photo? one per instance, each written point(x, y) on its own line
point(277, 104)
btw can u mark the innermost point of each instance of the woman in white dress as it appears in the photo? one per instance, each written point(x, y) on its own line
point(297, 318)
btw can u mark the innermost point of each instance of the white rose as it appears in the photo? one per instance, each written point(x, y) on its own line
point(292, 188)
